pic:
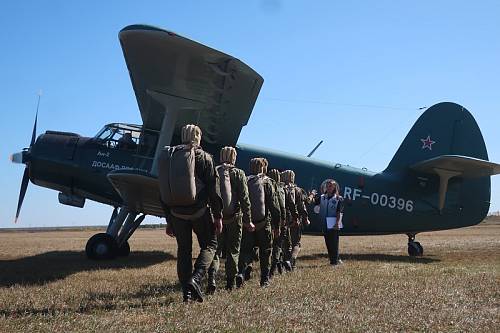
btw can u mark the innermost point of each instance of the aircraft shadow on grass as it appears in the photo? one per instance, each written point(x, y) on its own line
point(56, 265)
point(374, 257)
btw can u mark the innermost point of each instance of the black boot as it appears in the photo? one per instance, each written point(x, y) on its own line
point(186, 294)
point(229, 284)
point(287, 265)
point(279, 265)
point(264, 279)
point(248, 273)
point(194, 285)
point(211, 285)
point(239, 280)
point(274, 266)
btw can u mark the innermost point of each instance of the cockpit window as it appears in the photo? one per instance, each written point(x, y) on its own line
point(128, 137)
point(120, 137)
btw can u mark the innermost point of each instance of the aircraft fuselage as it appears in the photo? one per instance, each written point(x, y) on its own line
point(375, 203)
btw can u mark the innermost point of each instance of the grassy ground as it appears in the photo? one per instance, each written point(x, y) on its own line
point(47, 284)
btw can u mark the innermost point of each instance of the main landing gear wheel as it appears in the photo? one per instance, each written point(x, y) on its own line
point(123, 250)
point(101, 247)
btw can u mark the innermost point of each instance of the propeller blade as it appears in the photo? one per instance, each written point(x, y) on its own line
point(33, 135)
point(22, 192)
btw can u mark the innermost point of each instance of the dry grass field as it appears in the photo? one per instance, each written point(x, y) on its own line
point(47, 285)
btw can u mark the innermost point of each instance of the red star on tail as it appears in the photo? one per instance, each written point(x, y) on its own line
point(427, 142)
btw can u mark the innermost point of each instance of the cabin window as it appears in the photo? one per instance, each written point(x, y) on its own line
point(124, 137)
point(127, 137)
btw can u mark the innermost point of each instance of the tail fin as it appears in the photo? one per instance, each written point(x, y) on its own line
point(446, 141)
point(444, 129)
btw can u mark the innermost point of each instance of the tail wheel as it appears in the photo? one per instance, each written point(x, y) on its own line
point(123, 250)
point(415, 249)
point(101, 247)
point(420, 248)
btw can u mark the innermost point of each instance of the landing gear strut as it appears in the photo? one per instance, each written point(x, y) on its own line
point(414, 248)
point(114, 242)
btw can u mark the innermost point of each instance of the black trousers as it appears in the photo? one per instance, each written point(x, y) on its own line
point(332, 245)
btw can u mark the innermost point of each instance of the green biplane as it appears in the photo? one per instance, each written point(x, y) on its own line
point(438, 179)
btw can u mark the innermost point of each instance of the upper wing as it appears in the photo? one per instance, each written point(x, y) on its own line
point(220, 90)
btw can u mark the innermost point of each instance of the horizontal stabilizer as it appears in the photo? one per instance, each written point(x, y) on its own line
point(466, 167)
point(140, 192)
point(449, 166)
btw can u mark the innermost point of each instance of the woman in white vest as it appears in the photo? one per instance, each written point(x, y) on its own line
point(331, 207)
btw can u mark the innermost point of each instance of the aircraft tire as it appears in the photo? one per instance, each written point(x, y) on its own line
point(124, 250)
point(420, 249)
point(101, 246)
point(414, 249)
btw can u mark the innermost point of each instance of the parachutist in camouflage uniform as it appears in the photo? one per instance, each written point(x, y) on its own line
point(295, 199)
point(265, 217)
point(190, 207)
point(236, 213)
point(279, 236)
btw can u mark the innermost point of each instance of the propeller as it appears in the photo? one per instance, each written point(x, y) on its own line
point(26, 175)
point(22, 192)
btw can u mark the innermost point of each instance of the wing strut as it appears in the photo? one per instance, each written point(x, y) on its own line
point(444, 177)
point(173, 106)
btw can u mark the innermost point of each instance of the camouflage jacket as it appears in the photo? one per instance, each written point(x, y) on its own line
point(239, 190)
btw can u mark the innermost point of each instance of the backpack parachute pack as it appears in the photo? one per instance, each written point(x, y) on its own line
point(228, 200)
point(290, 193)
point(176, 175)
point(257, 197)
point(280, 188)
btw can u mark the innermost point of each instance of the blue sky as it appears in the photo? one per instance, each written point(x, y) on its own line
point(352, 73)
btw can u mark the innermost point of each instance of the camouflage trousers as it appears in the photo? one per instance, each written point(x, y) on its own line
point(229, 242)
point(291, 243)
point(261, 238)
point(278, 253)
point(207, 240)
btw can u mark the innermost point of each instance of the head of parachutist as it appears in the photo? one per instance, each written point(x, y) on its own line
point(257, 165)
point(228, 155)
point(274, 174)
point(266, 164)
point(191, 135)
point(288, 177)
